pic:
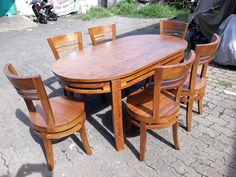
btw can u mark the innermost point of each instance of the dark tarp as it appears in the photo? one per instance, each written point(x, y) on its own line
point(209, 14)
point(226, 53)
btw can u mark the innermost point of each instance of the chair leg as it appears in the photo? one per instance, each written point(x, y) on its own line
point(129, 126)
point(65, 92)
point(189, 115)
point(200, 105)
point(175, 135)
point(49, 152)
point(143, 141)
point(84, 139)
point(148, 81)
point(68, 93)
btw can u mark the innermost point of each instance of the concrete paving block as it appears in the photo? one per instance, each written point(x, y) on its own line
point(208, 150)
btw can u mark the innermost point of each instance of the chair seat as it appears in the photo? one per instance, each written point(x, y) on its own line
point(66, 112)
point(200, 86)
point(140, 107)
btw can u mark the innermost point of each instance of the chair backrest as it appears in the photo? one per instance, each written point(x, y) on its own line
point(170, 77)
point(65, 43)
point(30, 88)
point(204, 54)
point(173, 28)
point(102, 33)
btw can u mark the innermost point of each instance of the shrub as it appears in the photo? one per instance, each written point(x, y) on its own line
point(127, 8)
point(97, 13)
point(160, 11)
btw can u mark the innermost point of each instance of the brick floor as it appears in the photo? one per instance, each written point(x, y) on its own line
point(209, 150)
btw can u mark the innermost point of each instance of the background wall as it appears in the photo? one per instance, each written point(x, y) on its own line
point(62, 7)
point(23, 7)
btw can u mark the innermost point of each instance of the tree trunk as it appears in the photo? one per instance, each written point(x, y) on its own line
point(102, 3)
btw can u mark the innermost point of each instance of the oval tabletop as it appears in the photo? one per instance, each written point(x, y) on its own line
point(118, 58)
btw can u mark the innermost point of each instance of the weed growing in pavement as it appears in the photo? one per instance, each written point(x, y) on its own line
point(224, 83)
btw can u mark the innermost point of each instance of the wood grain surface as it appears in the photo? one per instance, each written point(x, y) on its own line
point(117, 59)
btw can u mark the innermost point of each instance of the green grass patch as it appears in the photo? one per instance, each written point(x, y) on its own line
point(160, 11)
point(97, 13)
point(128, 9)
point(224, 83)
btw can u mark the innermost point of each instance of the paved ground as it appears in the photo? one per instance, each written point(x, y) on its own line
point(15, 22)
point(209, 150)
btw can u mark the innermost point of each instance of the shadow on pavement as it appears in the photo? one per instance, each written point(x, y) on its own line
point(50, 84)
point(32, 169)
point(97, 115)
point(232, 170)
point(78, 142)
point(154, 134)
point(152, 29)
point(224, 67)
point(28, 169)
point(25, 119)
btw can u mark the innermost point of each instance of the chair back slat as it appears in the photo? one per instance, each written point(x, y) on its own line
point(173, 28)
point(172, 83)
point(24, 85)
point(102, 37)
point(28, 94)
point(102, 33)
point(67, 47)
point(170, 77)
point(65, 43)
point(204, 54)
point(30, 88)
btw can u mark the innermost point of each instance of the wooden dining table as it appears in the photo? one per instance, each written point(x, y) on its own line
point(116, 65)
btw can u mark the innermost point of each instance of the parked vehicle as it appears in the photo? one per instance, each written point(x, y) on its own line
point(43, 11)
point(226, 53)
point(192, 5)
point(206, 17)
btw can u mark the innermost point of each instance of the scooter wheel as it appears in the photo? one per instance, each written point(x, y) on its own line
point(43, 20)
point(54, 16)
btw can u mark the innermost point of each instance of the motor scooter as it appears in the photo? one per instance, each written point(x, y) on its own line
point(43, 11)
point(195, 36)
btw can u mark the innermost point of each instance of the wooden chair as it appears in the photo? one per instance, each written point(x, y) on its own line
point(195, 85)
point(53, 118)
point(65, 43)
point(173, 28)
point(155, 108)
point(102, 33)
